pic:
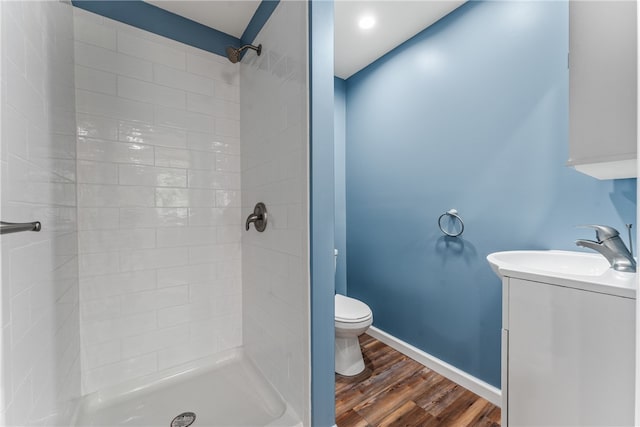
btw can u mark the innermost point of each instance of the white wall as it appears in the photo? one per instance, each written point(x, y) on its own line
point(158, 201)
point(275, 264)
point(40, 373)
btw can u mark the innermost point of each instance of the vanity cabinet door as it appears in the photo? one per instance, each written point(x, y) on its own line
point(570, 356)
point(602, 88)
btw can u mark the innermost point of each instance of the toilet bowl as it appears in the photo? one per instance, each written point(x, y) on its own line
point(353, 318)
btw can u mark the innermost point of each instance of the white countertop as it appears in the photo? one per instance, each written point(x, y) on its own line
point(609, 282)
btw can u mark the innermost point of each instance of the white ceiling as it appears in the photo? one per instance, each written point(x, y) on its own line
point(228, 16)
point(396, 22)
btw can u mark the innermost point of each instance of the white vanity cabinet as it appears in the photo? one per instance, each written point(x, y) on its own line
point(567, 356)
point(602, 88)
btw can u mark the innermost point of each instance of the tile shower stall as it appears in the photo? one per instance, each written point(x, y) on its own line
point(142, 157)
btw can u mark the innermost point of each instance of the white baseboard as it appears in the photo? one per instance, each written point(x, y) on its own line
point(458, 376)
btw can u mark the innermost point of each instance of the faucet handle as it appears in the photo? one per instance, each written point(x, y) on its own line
point(258, 217)
point(603, 232)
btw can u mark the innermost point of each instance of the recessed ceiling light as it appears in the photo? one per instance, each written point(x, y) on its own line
point(367, 22)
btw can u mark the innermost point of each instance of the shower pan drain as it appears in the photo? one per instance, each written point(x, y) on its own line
point(185, 419)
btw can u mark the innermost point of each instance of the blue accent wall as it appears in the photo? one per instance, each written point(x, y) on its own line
point(322, 211)
point(340, 189)
point(471, 114)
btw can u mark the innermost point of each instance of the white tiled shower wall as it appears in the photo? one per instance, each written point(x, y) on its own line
point(274, 171)
point(40, 374)
point(159, 221)
point(158, 206)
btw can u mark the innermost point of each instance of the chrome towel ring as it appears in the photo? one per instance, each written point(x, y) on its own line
point(454, 214)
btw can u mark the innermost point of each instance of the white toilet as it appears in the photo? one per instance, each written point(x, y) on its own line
point(353, 318)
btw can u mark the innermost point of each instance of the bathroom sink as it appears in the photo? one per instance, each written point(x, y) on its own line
point(560, 262)
point(564, 268)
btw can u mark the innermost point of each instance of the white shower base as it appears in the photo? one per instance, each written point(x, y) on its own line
point(225, 391)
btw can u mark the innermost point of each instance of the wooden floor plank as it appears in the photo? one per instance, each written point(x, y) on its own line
point(368, 389)
point(352, 419)
point(374, 410)
point(396, 391)
point(386, 359)
point(482, 417)
point(432, 401)
point(491, 418)
point(453, 405)
point(467, 417)
point(408, 415)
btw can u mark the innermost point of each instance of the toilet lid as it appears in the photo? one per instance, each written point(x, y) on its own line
point(350, 309)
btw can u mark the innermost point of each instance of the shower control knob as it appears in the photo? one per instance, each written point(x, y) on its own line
point(258, 217)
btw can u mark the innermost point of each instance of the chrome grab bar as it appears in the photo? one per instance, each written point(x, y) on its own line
point(16, 227)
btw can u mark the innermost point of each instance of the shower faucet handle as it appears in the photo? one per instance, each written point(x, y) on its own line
point(258, 217)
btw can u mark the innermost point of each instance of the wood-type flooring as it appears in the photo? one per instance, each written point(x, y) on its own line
point(395, 390)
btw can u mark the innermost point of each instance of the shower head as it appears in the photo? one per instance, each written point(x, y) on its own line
point(234, 54)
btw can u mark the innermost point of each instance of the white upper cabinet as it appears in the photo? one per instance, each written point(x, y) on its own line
point(603, 88)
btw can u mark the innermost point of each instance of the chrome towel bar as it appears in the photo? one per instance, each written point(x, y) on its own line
point(16, 227)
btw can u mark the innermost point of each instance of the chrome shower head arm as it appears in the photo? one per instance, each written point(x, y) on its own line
point(258, 48)
point(234, 54)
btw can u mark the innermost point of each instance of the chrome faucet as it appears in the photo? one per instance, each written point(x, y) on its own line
point(609, 244)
